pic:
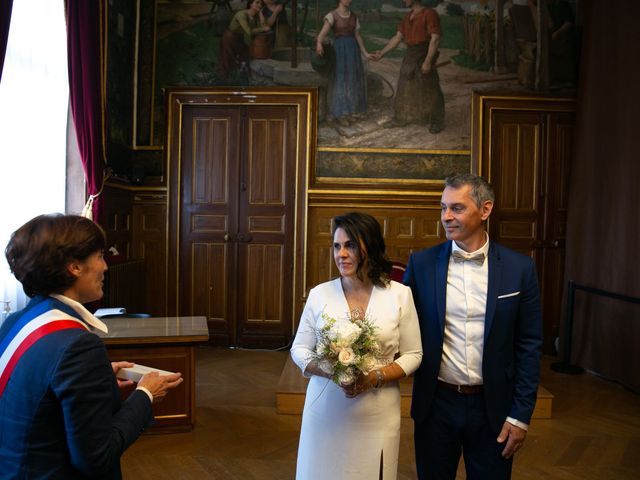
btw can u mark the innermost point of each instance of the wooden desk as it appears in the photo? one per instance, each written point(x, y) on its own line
point(166, 343)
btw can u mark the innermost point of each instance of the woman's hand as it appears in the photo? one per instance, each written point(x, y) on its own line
point(159, 385)
point(116, 366)
point(319, 49)
point(360, 385)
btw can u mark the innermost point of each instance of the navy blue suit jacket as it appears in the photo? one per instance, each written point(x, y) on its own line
point(61, 414)
point(512, 331)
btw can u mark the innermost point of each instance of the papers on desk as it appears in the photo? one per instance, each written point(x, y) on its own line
point(110, 312)
point(136, 372)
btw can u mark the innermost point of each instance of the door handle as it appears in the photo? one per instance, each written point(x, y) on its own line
point(227, 238)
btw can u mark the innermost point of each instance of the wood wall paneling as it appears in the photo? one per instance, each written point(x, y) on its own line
point(116, 219)
point(406, 230)
point(135, 221)
point(150, 243)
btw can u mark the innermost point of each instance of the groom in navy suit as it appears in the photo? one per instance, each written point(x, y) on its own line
point(479, 309)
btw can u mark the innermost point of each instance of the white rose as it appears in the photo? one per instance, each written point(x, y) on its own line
point(368, 362)
point(346, 331)
point(346, 356)
point(346, 378)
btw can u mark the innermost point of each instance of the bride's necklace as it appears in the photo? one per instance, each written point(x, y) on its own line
point(357, 299)
point(357, 313)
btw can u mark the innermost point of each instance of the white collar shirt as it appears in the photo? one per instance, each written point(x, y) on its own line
point(466, 302)
point(83, 312)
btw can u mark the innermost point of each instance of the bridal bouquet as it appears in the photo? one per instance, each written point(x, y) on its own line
point(347, 347)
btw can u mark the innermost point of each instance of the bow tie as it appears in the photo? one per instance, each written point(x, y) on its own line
point(458, 257)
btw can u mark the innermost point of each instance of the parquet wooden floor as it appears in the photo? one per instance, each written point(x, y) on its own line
point(594, 432)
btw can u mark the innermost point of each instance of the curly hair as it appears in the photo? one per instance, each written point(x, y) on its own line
point(366, 232)
point(39, 252)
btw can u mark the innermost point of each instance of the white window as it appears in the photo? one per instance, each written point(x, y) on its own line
point(34, 99)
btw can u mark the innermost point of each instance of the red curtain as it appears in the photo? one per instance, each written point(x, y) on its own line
point(5, 21)
point(85, 49)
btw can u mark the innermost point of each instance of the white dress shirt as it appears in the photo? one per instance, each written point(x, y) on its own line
point(464, 319)
point(462, 350)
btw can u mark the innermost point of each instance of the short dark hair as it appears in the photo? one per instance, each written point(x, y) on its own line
point(481, 190)
point(39, 252)
point(365, 230)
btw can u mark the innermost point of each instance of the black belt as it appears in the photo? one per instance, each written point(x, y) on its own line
point(464, 389)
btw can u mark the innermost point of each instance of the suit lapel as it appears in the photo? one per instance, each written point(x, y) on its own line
point(495, 275)
point(442, 270)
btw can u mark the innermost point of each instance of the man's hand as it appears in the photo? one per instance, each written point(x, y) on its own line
point(116, 366)
point(159, 385)
point(514, 436)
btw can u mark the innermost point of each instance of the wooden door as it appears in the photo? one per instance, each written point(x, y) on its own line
point(525, 152)
point(236, 221)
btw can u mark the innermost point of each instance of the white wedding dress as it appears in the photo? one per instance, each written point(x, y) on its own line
point(344, 438)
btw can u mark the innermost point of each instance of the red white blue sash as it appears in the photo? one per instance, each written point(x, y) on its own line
point(25, 333)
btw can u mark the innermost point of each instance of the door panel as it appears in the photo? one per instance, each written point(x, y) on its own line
point(265, 238)
point(209, 215)
point(516, 153)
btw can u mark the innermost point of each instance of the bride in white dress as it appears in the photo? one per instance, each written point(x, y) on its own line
point(353, 431)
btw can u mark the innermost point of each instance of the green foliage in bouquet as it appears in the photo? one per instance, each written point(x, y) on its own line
point(347, 347)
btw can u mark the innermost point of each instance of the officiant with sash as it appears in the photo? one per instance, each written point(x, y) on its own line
point(351, 417)
point(61, 413)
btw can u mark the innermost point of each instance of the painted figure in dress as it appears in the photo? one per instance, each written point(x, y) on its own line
point(419, 98)
point(347, 90)
point(234, 46)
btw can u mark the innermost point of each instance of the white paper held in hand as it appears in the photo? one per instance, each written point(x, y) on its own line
point(136, 372)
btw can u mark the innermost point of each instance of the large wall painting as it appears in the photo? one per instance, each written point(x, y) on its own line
point(370, 144)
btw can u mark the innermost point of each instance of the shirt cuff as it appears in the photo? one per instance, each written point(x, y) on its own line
point(518, 423)
point(149, 394)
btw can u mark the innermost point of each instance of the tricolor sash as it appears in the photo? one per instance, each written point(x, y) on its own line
point(25, 333)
